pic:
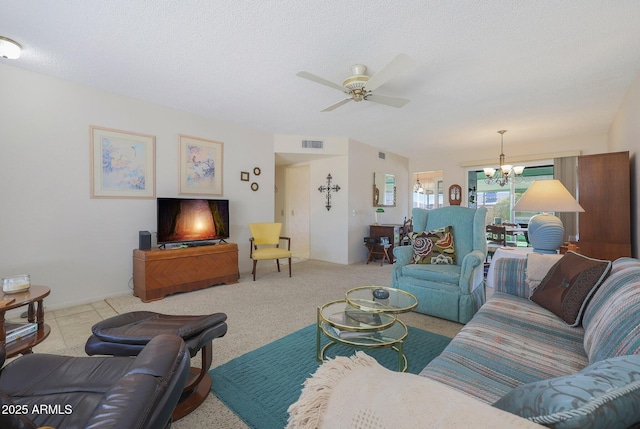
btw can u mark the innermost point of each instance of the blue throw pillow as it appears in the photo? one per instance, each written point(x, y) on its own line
point(605, 394)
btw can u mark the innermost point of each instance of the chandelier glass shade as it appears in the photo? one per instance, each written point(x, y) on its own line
point(505, 173)
point(418, 186)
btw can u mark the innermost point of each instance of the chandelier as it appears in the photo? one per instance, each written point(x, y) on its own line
point(418, 186)
point(505, 173)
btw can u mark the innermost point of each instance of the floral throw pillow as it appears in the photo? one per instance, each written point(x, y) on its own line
point(433, 247)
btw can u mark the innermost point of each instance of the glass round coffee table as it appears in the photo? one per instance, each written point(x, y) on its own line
point(379, 299)
point(366, 320)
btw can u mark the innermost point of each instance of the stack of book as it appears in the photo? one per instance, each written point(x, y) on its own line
point(356, 319)
point(15, 331)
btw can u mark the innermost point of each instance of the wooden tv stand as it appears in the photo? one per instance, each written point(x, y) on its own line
point(158, 273)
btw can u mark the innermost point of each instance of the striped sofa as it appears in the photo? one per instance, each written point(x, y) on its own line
point(514, 354)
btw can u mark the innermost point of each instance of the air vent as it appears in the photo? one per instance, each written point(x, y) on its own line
point(382, 155)
point(312, 144)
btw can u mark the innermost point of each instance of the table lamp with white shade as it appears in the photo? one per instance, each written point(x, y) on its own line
point(545, 231)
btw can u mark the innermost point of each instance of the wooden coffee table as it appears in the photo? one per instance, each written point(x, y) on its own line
point(32, 298)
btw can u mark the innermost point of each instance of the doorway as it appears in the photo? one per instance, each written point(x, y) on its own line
point(297, 209)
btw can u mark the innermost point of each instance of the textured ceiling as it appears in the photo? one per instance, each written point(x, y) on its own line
point(541, 69)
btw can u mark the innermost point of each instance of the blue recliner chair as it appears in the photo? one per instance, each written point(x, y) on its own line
point(453, 292)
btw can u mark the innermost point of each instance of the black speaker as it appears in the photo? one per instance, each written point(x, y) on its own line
point(144, 240)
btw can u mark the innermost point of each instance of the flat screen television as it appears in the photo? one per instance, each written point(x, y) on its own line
point(192, 221)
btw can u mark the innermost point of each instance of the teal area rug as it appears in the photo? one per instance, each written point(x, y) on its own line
point(260, 385)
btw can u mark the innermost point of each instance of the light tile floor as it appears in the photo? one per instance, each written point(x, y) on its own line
point(71, 326)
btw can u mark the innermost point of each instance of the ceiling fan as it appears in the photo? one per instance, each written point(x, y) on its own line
point(360, 86)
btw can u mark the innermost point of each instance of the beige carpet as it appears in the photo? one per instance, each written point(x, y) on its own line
point(271, 307)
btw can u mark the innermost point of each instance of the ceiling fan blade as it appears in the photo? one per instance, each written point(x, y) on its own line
point(317, 79)
point(338, 104)
point(390, 101)
point(398, 65)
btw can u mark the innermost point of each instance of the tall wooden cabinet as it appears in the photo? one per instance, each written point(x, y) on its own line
point(604, 192)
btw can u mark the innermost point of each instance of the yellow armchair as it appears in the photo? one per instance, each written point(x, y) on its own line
point(265, 244)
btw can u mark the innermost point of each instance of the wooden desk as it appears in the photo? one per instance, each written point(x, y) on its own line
point(32, 298)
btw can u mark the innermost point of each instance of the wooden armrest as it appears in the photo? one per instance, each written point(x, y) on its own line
point(288, 242)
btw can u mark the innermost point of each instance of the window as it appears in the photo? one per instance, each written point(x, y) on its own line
point(498, 200)
point(428, 189)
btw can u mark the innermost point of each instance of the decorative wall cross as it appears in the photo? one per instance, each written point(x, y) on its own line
point(328, 189)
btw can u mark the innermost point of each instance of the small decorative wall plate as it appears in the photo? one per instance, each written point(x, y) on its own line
point(254, 186)
point(256, 171)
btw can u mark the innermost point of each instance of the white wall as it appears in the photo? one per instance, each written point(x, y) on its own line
point(280, 198)
point(329, 229)
point(82, 247)
point(291, 144)
point(51, 229)
point(363, 162)
point(336, 235)
point(624, 135)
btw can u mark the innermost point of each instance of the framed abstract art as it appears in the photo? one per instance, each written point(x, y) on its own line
point(122, 164)
point(200, 166)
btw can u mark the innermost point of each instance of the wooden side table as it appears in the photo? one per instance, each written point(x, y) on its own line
point(32, 298)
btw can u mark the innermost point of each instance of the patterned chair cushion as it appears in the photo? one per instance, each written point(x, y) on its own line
point(604, 394)
point(611, 318)
point(434, 247)
point(568, 285)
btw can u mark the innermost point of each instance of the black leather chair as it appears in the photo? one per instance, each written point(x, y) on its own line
point(126, 334)
point(38, 390)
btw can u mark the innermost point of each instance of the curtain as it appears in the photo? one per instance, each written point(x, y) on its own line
point(565, 169)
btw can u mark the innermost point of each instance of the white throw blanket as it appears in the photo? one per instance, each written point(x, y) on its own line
point(538, 265)
point(358, 393)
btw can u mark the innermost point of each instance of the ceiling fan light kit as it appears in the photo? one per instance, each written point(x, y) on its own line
point(355, 84)
point(360, 87)
point(9, 49)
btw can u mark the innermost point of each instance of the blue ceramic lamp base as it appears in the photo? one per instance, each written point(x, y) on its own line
point(546, 233)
